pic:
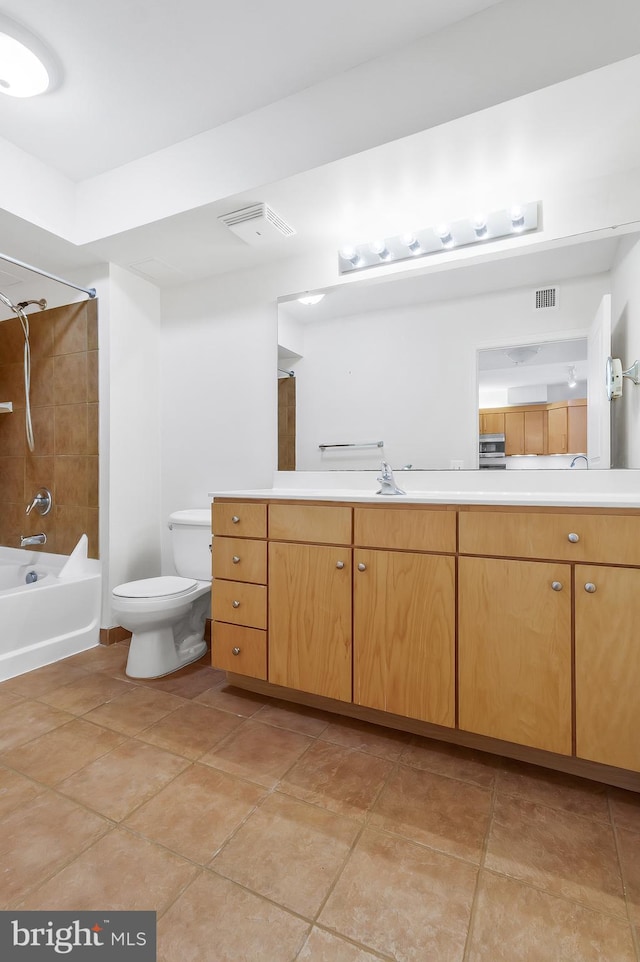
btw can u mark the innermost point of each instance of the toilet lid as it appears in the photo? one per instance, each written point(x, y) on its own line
point(155, 587)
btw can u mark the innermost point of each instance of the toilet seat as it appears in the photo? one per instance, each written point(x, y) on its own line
point(168, 586)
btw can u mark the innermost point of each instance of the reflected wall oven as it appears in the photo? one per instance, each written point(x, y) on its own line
point(492, 454)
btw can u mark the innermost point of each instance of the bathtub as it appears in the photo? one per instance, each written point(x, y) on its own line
point(49, 607)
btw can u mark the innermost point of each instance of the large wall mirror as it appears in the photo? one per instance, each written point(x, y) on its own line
point(402, 368)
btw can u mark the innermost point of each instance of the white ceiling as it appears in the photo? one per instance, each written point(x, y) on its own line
point(139, 77)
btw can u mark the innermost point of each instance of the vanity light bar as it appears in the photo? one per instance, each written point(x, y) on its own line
point(508, 222)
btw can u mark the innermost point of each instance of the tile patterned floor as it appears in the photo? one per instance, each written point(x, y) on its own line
point(264, 832)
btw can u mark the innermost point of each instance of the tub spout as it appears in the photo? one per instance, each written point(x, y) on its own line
point(33, 539)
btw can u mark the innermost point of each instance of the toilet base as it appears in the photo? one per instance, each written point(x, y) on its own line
point(166, 657)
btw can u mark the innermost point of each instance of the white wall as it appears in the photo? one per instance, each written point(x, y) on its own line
point(130, 432)
point(625, 305)
point(408, 376)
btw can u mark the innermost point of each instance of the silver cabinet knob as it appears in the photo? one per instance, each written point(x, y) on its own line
point(235, 519)
point(235, 651)
point(339, 564)
point(362, 567)
point(556, 585)
point(236, 559)
point(236, 604)
point(590, 587)
point(573, 537)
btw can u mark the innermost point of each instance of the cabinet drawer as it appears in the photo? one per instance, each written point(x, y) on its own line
point(239, 559)
point(239, 649)
point(413, 529)
point(239, 519)
point(604, 539)
point(324, 524)
point(239, 603)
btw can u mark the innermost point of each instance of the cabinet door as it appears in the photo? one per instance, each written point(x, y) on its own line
point(514, 432)
point(577, 429)
point(534, 425)
point(608, 665)
point(491, 422)
point(404, 634)
point(514, 652)
point(310, 618)
point(557, 430)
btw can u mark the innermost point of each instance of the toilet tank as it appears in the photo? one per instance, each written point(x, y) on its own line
point(191, 541)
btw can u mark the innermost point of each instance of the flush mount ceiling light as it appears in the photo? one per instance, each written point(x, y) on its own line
point(498, 225)
point(310, 298)
point(27, 68)
point(520, 355)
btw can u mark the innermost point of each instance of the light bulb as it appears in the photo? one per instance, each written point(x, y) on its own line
point(351, 254)
point(516, 214)
point(379, 247)
point(480, 228)
point(412, 242)
point(445, 235)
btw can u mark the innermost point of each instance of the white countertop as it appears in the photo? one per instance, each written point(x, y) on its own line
point(602, 489)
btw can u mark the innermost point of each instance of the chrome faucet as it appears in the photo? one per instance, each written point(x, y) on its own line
point(387, 481)
point(33, 539)
point(577, 458)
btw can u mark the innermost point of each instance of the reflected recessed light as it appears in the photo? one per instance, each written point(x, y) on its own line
point(311, 298)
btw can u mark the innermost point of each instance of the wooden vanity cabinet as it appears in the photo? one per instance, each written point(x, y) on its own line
point(239, 588)
point(310, 599)
point(608, 665)
point(404, 612)
point(514, 637)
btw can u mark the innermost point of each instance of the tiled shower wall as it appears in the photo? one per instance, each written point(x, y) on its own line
point(64, 407)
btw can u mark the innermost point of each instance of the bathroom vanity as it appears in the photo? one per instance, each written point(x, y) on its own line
point(511, 628)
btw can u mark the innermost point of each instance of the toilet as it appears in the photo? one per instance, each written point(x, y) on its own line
point(167, 615)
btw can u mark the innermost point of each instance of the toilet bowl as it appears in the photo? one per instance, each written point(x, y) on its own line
point(166, 615)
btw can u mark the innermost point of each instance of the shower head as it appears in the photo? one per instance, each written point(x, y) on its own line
point(18, 309)
point(42, 304)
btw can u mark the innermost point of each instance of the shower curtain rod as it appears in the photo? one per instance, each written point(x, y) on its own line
point(91, 291)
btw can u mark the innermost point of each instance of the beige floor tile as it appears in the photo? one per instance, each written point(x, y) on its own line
point(629, 848)
point(516, 923)
point(260, 753)
point(38, 838)
point(16, 790)
point(233, 700)
point(343, 780)
point(86, 693)
point(119, 872)
point(100, 657)
point(444, 813)
point(565, 854)
point(128, 776)
point(58, 753)
point(27, 720)
point(217, 921)
point(136, 709)
point(322, 946)
point(8, 698)
point(625, 809)
point(452, 760)
point(403, 899)
point(35, 683)
point(555, 789)
point(297, 718)
point(289, 852)
point(374, 739)
point(191, 729)
point(197, 812)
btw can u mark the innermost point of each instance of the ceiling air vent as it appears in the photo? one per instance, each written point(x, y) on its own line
point(546, 297)
point(257, 224)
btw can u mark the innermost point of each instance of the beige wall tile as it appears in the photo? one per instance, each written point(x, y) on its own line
point(70, 379)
